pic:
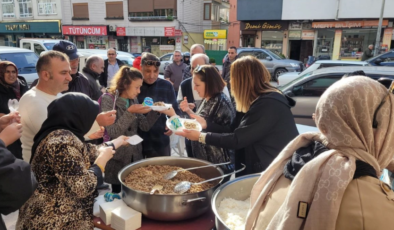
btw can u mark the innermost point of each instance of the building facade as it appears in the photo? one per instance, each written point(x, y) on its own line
point(298, 29)
point(157, 26)
point(234, 32)
point(29, 19)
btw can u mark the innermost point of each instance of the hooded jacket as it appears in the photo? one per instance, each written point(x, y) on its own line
point(263, 132)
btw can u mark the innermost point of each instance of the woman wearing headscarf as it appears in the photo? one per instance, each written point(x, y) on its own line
point(267, 126)
point(12, 86)
point(61, 162)
point(336, 185)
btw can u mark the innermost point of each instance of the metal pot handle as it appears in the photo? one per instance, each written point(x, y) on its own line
point(184, 202)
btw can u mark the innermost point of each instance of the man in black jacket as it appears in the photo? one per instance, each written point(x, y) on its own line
point(94, 67)
point(368, 53)
point(111, 66)
point(17, 182)
point(231, 57)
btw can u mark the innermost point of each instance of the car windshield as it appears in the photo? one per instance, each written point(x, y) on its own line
point(282, 88)
point(25, 62)
point(274, 55)
point(49, 46)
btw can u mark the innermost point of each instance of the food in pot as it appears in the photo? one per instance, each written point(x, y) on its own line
point(190, 125)
point(144, 178)
point(160, 103)
point(233, 212)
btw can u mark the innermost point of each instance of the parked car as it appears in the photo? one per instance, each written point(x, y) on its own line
point(97, 51)
point(38, 45)
point(165, 60)
point(307, 88)
point(24, 59)
point(136, 54)
point(386, 59)
point(288, 77)
point(127, 60)
point(275, 64)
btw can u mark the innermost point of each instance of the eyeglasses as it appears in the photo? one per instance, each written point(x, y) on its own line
point(389, 91)
point(111, 54)
point(149, 62)
point(198, 69)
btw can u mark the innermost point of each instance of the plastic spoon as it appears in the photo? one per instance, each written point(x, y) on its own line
point(184, 186)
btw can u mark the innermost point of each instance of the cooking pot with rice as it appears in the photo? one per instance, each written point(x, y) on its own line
point(238, 189)
point(170, 207)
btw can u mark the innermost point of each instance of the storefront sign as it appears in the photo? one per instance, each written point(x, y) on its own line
point(139, 31)
point(169, 31)
point(264, 25)
point(308, 35)
point(85, 30)
point(295, 34)
point(347, 24)
point(167, 47)
point(120, 31)
point(159, 31)
point(30, 27)
point(295, 26)
point(212, 34)
point(178, 33)
point(149, 31)
point(387, 37)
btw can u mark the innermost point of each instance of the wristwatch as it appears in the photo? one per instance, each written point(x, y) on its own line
point(109, 144)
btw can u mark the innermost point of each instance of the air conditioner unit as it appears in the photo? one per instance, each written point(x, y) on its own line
point(112, 28)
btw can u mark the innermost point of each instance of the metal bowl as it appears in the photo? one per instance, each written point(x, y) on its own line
point(239, 189)
point(170, 207)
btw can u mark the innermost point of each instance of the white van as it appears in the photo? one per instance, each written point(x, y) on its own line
point(38, 45)
point(24, 59)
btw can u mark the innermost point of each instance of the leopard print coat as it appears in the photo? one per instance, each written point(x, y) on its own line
point(66, 188)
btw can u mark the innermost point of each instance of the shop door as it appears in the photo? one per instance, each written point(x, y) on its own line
point(123, 46)
point(248, 40)
point(306, 50)
point(295, 49)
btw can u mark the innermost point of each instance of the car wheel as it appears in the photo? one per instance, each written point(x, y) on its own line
point(278, 72)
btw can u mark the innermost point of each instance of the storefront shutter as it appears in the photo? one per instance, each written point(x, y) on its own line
point(136, 6)
point(114, 9)
point(80, 10)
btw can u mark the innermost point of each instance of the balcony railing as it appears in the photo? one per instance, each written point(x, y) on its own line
point(26, 15)
point(47, 8)
point(8, 15)
point(153, 18)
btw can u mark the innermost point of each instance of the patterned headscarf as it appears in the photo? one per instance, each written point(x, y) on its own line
point(15, 86)
point(344, 115)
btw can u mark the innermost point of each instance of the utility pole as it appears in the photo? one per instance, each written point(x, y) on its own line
point(377, 44)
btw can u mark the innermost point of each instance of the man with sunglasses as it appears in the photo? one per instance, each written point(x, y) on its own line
point(156, 141)
point(111, 66)
point(174, 71)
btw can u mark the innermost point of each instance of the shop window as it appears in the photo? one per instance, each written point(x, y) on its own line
point(272, 40)
point(25, 8)
point(80, 11)
point(114, 10)
point(207, 11)
point(8, 8)
point(47, 7)
point(315, 87)
point(354, 42)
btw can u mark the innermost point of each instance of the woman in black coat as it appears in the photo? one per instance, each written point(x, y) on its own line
point(267, 126)
point(12, 86)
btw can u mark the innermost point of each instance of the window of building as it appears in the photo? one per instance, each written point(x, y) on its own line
point(355, 41)
point(80, 11)
point(25, 8)
point(8, 8)
point(164, 12)
point(141, 14)
point(114, 9)
point(272, 40)
point(47, 7)
point(207, 11)
point(215, 13)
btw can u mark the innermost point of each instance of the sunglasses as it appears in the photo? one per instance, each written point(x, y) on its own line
point(111, 54)
point(389, 91)
point(198, 69)
point(149, 62)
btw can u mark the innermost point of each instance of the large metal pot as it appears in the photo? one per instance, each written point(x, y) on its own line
point(170, 207)
point(238, 189)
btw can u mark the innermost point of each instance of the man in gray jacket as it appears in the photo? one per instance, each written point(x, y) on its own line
point(174, 72)
point(94, 67)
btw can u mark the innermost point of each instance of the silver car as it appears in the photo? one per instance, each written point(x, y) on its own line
point(275, 64)
point(307, 89)
point(288, 77)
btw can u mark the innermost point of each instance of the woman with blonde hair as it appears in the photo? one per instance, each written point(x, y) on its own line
point(268, 124)
point(129, 117)
point(337, 186)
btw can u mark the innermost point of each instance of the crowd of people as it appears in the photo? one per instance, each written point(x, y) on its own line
point(73, 126)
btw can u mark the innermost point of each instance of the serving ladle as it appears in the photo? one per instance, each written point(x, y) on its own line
point(184, 186)
point(172, 174)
